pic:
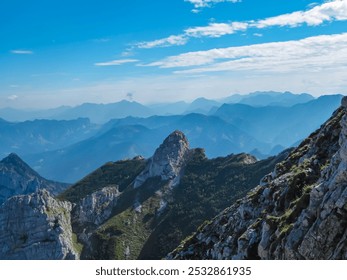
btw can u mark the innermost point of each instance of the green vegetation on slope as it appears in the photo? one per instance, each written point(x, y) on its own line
point(140, 227)
point(121, 173)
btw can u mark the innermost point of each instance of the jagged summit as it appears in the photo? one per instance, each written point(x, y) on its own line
point(15, 161)
point(174, 138)
point(12, 157)
point(167, 161)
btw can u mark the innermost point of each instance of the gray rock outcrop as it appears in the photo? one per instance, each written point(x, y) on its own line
point(97, 207)
point(299, 211)
point(36, 226)
point(167, 161)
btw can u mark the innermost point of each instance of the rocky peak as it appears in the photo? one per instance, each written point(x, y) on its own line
point(16, 177)
point(167, 161)
point(13, 160)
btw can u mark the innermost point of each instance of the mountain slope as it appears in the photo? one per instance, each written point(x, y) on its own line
point(73, 162)
point(297, 212)
point(16, 177)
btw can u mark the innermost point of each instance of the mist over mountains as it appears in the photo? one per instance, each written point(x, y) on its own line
point(101, 113)
point(73, 141)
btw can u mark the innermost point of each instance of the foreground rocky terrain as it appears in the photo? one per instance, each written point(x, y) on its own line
point(299, 211)
point(36, 227)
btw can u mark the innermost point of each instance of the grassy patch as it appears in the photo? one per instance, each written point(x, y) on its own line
point(77, 246)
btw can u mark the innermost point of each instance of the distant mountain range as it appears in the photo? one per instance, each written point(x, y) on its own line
point(67, 150)
point(102, 113)
point(280, 125)
point(269, 98)
point(42, 135)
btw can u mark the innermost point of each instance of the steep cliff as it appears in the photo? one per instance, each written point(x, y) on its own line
point(299, 211)
point(36, 227)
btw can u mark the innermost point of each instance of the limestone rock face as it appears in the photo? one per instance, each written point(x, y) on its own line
point(299, 211)
point(167, 161)
point(96, 207)
point(36, 226)
point(16, 177)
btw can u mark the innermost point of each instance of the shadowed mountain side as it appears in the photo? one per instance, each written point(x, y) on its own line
point(74, 162)
point(16, 177)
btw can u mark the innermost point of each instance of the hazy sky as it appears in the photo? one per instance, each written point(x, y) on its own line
point(73, 51)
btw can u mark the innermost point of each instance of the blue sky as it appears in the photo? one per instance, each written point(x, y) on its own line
point(63, 52)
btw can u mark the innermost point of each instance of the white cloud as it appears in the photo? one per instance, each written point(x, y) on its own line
point(22, 52)
point(216, 29)
point(12, 97)
point(115, 62)
point(330, 11)
point(208, 3)
point(165, 42)
point(313, 54)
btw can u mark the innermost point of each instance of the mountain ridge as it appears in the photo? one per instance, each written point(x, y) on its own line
point(297, 212)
